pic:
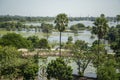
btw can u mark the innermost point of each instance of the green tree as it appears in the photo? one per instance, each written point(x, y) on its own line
point(102, 56)
point(34, 40)
point(116, 47)
point(77, 27)
point(81, 45)
point(114, 39)
point(117, 58)
point(118, 26)
point(82, 56)
point(12, 26)
point(13, 66)
point(112, 34)
point(19, 26)
point(30, 70)
point(15, 40)
point(70, 39)
point(117, 18)
point(74, 28)
point(80, 25)
point(9, 63)
point(100, 29)
point(59, 70)
point(107, 71)
point(43, 44)
point(46, 28)
point(61, 22)
point(69, 44)
point(27, 28)
point(106, 66)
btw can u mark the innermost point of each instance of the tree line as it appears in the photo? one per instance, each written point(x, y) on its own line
point(47, 18)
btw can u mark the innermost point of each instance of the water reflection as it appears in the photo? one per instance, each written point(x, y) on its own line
point(85, 35)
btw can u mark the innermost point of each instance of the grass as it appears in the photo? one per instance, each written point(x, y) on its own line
point(40, 34)
point(25, 34)
point(2, 32)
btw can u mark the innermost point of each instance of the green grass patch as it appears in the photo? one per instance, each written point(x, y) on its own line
point(3, 32)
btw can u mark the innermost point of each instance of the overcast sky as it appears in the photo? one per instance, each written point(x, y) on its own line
point(54, 7)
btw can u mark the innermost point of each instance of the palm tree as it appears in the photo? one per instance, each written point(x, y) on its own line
point(100, 29)
point(61, 22)
point(104, 26)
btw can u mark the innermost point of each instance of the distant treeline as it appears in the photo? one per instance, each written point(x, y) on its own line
point(25, 18)
point(42, 19)
point(90, 18)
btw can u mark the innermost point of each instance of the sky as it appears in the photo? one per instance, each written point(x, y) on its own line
point(73, 8)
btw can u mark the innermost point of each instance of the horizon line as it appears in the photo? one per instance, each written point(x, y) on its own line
point(50, 16)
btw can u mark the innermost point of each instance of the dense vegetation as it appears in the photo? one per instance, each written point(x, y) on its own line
point(42, 19)
point(77, 27)
point(15, 40)
point(58, 69)
point(16, 65)
point(25, 18)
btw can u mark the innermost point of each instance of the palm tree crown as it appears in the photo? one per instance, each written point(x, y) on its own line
point(61, 22)
point(101, 26)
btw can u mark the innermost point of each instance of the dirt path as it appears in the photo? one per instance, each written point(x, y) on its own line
point(48, 53)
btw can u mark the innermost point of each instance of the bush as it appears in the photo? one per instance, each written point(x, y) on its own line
point(59, 70)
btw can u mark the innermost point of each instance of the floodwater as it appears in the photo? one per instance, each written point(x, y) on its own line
point(86, 23)
point(83, 35)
